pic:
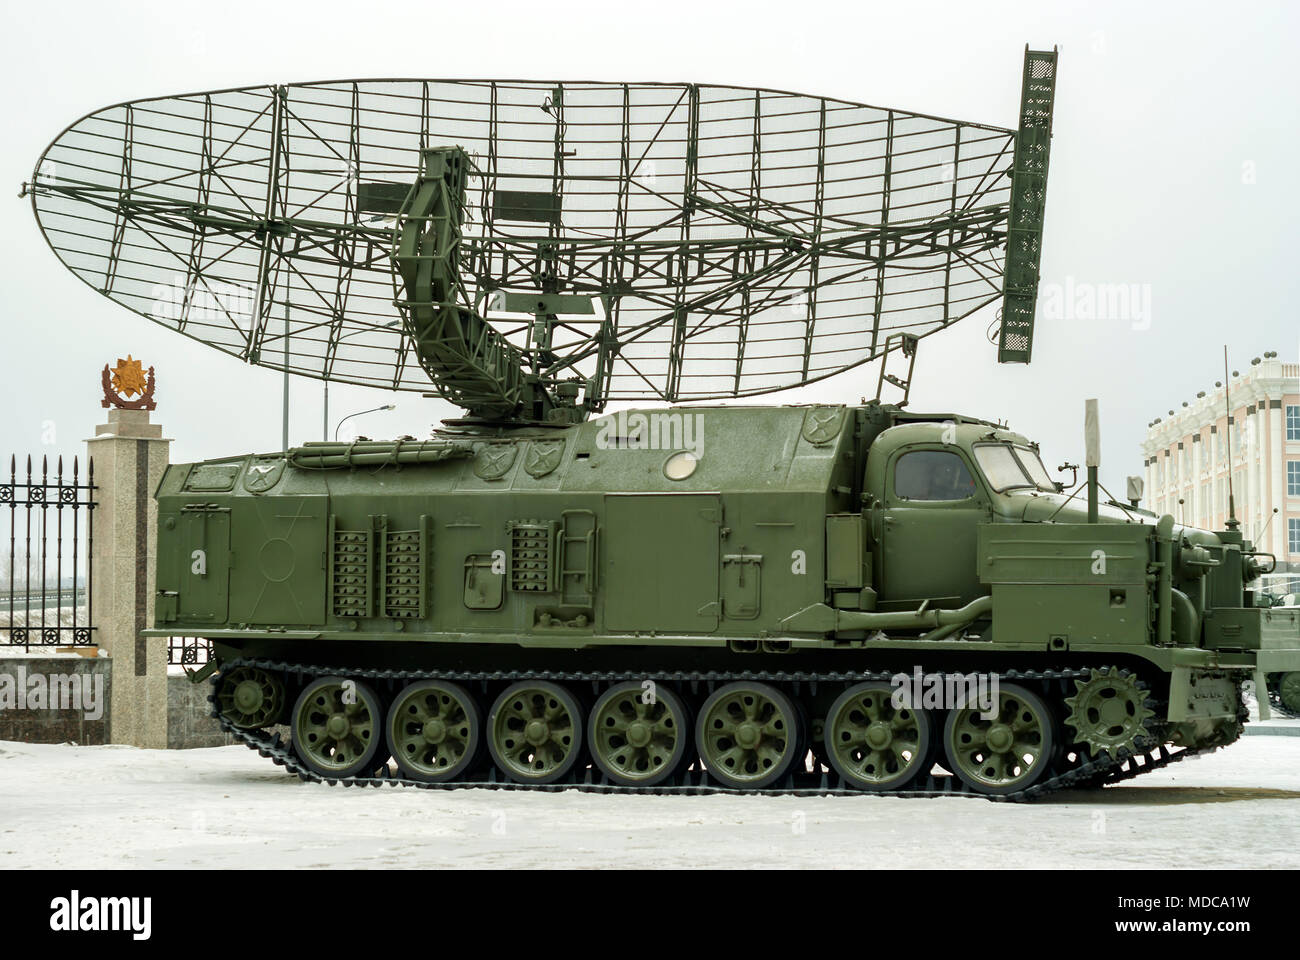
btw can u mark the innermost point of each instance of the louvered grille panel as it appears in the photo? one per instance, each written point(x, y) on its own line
point(350, 573)
point(530, 557)
point(403, 574)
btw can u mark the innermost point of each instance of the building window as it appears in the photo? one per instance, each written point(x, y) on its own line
point(1293, 535)
point(1293, 478)
point(1293, 423)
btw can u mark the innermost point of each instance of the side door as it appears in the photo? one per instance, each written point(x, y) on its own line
point(193, 569)
point(279, 567)
point(661, 562)
point(928, 526)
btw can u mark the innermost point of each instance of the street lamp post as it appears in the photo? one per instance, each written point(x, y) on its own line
point(325, 414)
point(387, 406)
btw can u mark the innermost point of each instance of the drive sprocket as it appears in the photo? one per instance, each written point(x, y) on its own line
point(1110, 713)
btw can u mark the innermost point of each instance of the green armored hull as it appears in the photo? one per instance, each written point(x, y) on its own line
point(707, 596)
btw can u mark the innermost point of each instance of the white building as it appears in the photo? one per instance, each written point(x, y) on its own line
point(1188, 459)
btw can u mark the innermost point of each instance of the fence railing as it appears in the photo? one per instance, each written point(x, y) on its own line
point(45, 586)
point(188, 651)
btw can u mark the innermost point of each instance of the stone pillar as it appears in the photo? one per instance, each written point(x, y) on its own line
point(130, 455)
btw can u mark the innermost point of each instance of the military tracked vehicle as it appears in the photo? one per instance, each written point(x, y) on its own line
point(546, 593)
point(613, 614)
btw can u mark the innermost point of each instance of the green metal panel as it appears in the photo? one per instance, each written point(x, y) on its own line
point(1064, 553)
point(1051, 616)
point(193, 565)
point(381, 197)
point(661, 562)
point(279, 567)
point(213, 477)
point(529, 206)
point(484, 586)
point(742, 585)
point(1252, 628)
point(846, 551)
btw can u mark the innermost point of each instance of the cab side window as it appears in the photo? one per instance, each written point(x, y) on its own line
point(932, 475)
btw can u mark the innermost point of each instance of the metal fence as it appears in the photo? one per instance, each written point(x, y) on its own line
point(45, 583)
point(188, 651)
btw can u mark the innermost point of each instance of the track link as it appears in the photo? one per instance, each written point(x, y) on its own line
point(1070, 772)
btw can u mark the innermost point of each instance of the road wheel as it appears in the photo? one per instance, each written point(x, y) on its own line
point(636, 743)
point(1004, 754)
point(535, 731)
point(336, 727)
point(747, 735)
point(873, 744)
point(434, 730)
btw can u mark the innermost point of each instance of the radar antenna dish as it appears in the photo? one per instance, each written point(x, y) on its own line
point(548, 247)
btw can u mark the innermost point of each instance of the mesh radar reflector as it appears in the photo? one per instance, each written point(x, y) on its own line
point(500, 239)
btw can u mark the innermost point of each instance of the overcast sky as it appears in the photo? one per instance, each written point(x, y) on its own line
point(1174, 171)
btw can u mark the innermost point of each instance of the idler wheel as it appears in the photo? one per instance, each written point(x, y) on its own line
point(250, 698)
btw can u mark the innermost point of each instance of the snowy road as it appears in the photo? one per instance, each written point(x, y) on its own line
point(65, 806)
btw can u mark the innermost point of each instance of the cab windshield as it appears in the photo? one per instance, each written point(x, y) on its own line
point(1013, 468)
point(1034, 467)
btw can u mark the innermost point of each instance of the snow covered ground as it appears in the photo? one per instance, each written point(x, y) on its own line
point(63, 806)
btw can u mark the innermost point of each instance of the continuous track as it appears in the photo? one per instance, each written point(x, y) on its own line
point(1070, 770)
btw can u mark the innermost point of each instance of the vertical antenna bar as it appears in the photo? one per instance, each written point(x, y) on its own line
point(677, 345)
point(814, 264)
point(272, 182)
point(952, 239)
point(203, 193)
point(884, 235)
point(1025, 216)
point(123, 189)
